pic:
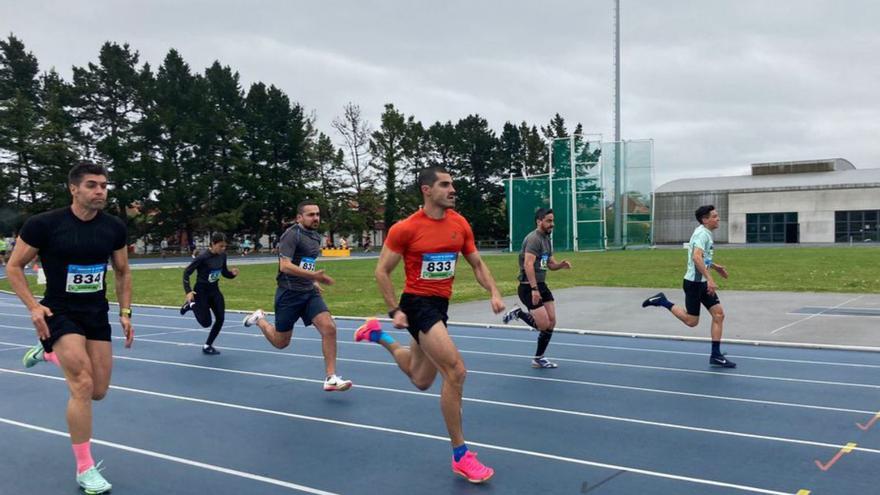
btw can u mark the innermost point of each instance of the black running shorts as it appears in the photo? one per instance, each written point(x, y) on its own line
point(422, 312)
point(696, 293)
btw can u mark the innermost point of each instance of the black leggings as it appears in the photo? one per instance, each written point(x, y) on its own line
point(206, 302)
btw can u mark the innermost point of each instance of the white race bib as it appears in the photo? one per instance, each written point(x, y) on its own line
point(438, 266)
point(214, 275)
point(83, 279)
point(545, 258)
point(307, 264)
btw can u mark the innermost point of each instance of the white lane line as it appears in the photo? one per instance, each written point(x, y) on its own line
point(581, 361)
point(428, 436)
point(529, 377)
point(179, 460)
point(815, 315)
point(491, 402)
point(138, 336)
point(227, 331)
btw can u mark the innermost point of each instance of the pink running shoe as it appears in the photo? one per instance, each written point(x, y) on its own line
point(363, 332)
point(472, 469)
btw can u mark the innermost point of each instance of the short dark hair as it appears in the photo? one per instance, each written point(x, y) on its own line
point(428, 176)
point(302, 205)
point(218, 237)
point(542, 212)
point(81, 169)
point(703, 212)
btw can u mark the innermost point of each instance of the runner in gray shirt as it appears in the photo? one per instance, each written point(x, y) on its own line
point(298, 295)
point(535, 258)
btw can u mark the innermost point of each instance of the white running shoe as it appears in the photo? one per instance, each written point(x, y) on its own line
point(335, 383)
point(543, 362)
point(252, 318)
point(91, 481)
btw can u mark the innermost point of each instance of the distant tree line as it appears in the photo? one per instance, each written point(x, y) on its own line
point(194, 152)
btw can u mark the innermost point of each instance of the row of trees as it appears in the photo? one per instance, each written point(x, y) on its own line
point(196, 152)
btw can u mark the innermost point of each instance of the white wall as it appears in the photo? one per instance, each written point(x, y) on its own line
point(815, 209)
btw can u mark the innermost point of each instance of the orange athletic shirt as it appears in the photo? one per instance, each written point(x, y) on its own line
point(430, 250)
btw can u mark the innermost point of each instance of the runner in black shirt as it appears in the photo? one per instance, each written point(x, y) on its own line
point(206, 297)
point(74, 244)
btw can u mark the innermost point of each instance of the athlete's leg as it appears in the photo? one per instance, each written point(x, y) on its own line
point(717, 313)
point(278, 339)
point(327, 328)
point(688, 314)
point(202, 308)
point(78, 372)
point(438, 347)
point(218, 307)
point(101, 355)
point(286, 314)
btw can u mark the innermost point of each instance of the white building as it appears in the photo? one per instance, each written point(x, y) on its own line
point(782, 202)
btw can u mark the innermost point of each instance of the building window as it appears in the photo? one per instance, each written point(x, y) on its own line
point(856, 226)
point(772, 227)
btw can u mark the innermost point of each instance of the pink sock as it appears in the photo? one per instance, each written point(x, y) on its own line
point(51, 357)
point(83, 454)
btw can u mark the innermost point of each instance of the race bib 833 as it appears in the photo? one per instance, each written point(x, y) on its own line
point(438, 266)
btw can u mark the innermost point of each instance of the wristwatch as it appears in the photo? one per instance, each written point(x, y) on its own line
point(393, 312)
point(534, 289)
point(125, 312)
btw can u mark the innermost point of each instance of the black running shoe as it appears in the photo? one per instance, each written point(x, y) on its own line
point(654, 300)
point(210, 350)
point(719, 361)
point(186, 307)
point(511, 315)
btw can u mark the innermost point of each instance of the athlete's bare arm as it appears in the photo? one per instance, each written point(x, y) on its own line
point(22, 254)
point(122, 271)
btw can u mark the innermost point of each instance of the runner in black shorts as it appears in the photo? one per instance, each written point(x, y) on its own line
point(699, 286)
point(535, 258)
point(206, 297)
point(298, 295)
point(428, 242)
point(74, 244)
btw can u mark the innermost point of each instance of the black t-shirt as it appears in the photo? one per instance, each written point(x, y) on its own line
point(74, 256)
point(209, 267)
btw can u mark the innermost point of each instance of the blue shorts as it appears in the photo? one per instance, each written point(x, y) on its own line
point(293, 305)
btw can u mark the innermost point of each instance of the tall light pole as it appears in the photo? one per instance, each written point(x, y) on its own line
point(618, 145)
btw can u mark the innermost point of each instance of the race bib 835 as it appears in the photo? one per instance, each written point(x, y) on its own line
point(83, 279)
point(438, 266)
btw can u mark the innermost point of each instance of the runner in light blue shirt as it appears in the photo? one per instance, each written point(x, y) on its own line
point(699, 286)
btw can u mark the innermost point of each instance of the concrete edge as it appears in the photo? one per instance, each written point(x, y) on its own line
point(576, 331)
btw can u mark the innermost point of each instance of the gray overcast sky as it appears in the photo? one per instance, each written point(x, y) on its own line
point(717, 84)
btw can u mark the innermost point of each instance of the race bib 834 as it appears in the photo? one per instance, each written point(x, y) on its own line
point(83, 279)
point(438, 266)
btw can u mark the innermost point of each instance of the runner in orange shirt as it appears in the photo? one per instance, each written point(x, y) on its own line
point(429, 242)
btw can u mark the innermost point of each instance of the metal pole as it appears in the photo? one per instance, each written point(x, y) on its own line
point(574, 214)
point(510, 213)
point(550, 181)
point(616, 70)
point(618, 169)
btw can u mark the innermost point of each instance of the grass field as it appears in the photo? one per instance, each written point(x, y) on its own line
point(772, 269)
